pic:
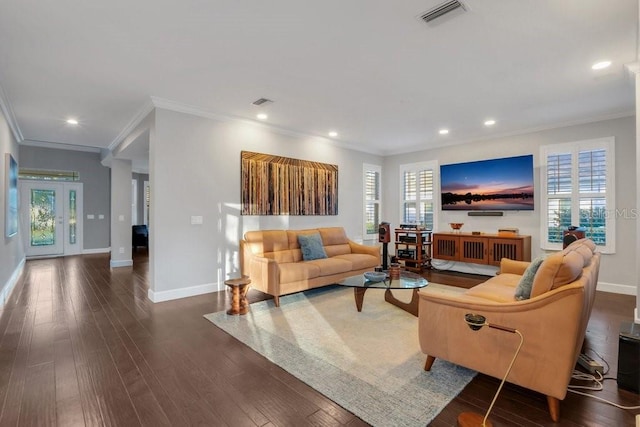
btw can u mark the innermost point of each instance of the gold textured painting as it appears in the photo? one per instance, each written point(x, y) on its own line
point(274, 185)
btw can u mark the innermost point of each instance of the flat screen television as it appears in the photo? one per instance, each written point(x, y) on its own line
point(495, 184)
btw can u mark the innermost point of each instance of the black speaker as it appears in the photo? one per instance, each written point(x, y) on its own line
point(384, 233)
point(629, 357)
point(571, 235)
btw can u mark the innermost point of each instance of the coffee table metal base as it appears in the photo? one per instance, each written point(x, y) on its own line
point(410, 307)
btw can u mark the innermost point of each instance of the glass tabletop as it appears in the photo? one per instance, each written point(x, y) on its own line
point(407, 280)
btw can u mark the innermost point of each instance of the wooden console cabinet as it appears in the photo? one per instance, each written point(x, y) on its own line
point(413, 249)
point(482, 248)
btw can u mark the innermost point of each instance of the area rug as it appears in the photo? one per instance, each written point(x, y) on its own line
point(369, 363)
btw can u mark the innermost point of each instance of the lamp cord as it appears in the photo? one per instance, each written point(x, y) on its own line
point(577, 375)
point(495, 397)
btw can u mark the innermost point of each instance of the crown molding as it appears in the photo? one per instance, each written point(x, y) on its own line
point(180, 107)
point(142, 113)
point(7, 110)
point(60, 146)
point(594, 119)
point(633, 67)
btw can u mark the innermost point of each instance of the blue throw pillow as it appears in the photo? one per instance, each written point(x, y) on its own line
point(311, 246)
point(523, 290)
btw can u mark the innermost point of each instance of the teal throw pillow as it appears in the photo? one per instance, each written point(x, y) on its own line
point(311, 246)
point(523, 290)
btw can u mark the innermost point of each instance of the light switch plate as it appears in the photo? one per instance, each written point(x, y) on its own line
point(196, 220)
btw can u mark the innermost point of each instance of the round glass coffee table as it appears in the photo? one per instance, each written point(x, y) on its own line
point(408, 280)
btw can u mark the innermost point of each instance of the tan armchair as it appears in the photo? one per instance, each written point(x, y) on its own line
point(553, 322)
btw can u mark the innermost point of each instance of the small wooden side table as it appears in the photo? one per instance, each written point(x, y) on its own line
point(239, 288)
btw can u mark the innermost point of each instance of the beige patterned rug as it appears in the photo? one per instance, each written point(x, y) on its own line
point(370, 362)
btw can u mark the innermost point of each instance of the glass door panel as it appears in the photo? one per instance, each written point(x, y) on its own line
point(42, 208)
point(43, 214)
point(73, 218)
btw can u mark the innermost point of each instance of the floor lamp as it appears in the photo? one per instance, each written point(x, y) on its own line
point(473, 419)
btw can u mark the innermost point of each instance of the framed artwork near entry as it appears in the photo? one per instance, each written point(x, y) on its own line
point(11, 196)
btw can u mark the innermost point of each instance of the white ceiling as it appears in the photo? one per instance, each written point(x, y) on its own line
point(385, 80)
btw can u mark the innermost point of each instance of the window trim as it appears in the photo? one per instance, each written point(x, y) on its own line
point(416, 167)
point(366, 167)
point(574, 148)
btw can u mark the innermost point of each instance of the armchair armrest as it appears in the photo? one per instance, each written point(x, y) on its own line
point(514, 267)
point(357, 248)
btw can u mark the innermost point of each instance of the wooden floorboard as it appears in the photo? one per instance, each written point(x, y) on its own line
point(80, 344)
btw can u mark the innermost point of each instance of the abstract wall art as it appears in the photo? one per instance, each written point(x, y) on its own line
point(274, 185)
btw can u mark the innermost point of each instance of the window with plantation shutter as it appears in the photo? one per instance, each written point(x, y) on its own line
point(417, 190)
point(578, 190)
point(371, 179)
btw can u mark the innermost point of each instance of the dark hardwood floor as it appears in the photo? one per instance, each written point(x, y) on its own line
point(81, 345)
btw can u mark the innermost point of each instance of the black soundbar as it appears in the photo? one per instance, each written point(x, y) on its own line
point(485, 213)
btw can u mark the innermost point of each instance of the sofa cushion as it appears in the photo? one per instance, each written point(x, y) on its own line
point(584, 247)
point(329, 266)
point(523, 290)
point(335, 250)
point(297, 271)
point(333, 236)
point(311, 246)
point(584, 242)
point(268, 243)
point(360, 261)
point(557, 270)
point(499, 288)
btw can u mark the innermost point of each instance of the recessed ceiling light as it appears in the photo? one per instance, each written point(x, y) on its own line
point(262, 116)
point(600, 65)
point(333, 134)
point(490, 122)
point(72, 121)
point(443, 131)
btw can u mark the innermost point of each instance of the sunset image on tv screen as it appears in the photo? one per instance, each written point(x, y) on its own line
point(497, 184)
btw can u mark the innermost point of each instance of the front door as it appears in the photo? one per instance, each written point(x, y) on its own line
point(51, 218)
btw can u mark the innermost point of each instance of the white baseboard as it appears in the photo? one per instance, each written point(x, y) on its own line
point(96, 251)
point(122, 263)
point(191, 291)
point(616, 288)
point(11, 283)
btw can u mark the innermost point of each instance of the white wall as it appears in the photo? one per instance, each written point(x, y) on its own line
point(121, 213)
point(617, 271)
point(11, 248)
point(195, 171)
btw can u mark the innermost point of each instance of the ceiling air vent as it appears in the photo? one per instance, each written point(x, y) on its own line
point(262, 101)
point(442, 9)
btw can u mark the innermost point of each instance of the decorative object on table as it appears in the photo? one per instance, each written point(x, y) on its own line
point(476, 322)
point(394, 271)
point(375, 276)
point(239, 288)
point(273, 185)
point(11, 196)
point(456, 226)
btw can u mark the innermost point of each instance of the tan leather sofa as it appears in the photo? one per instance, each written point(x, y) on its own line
point(553, 322)
point(273, 260)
